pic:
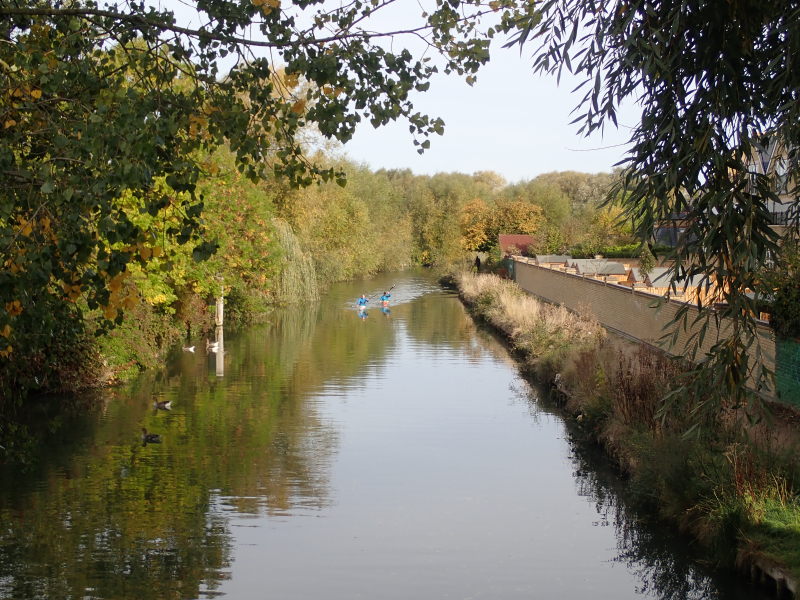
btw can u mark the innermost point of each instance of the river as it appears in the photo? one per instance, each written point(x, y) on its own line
point(393, 455)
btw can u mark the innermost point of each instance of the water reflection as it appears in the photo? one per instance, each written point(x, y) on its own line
point(219, 351)
point(666, 564)
point(402, 437)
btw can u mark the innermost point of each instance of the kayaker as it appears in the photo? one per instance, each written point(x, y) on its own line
point(362, 302)
point(385, 298)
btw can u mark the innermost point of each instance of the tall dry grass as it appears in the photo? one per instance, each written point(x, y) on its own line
point(544, 332)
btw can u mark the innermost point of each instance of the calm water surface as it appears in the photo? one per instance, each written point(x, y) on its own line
point(398, 455)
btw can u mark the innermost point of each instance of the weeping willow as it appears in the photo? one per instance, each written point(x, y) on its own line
point(298, 278)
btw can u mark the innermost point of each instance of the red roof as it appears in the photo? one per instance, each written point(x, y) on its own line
point(520, 241)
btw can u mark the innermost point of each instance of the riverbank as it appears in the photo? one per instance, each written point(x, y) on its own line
point(730, 486)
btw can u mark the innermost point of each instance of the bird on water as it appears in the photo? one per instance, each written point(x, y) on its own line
point(150, 438)
point(163, 405)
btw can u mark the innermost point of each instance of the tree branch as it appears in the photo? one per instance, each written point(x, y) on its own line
point(142, 22)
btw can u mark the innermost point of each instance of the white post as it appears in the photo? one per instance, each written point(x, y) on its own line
point(219, 338)
point(220, 357)
point(220, 311)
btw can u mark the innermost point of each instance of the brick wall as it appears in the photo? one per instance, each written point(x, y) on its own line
point(620, 308)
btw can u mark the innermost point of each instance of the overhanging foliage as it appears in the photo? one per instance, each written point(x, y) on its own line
point(716, 81)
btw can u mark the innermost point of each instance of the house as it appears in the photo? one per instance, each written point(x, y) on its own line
point(634, 278)
point(515, 244)
point(772, 160)
point(553, 261)
point(658, 282)
point(599, 269)
point(669, 231)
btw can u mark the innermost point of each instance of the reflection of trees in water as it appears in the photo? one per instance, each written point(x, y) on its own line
point(443, 322)
point(94, 533)
point(109, 518)
point(657, 556)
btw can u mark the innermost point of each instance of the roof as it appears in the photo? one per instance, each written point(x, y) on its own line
point(659, 277)
point(597, 266)
point(520, 241)
point(552, 259)
point(635, 275)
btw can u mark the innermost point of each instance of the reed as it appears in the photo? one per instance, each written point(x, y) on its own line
point(543, 332)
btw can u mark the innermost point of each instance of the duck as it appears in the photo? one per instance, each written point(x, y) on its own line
point(150, 438)
point(188, 348)
point(164, 405)
point(212, 346)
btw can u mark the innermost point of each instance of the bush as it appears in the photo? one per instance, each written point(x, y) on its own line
point(626, 251)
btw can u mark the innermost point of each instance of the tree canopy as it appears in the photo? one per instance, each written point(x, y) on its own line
point(714, 80)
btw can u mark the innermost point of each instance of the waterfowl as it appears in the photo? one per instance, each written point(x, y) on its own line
point(212, 346)
point(164, 405)
point(150, 438)
point(188, 348)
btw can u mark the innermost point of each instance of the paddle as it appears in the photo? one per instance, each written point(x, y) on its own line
point(376, 293)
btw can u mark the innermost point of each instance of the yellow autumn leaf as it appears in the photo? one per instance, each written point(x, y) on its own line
point(291, 80)
point(13, 308)
point(157, 251)
point(10, 123)
point(298, 106)
point(6, 331)
point(115, 284)
point(145, 253)
point(110, 313)
point(36, 94)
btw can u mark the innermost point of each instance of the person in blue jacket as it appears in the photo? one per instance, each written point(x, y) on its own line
point(362, 302)
point(385, 298)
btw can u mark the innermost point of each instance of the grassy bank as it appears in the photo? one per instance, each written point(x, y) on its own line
point(733, 487)
point(545, 334)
